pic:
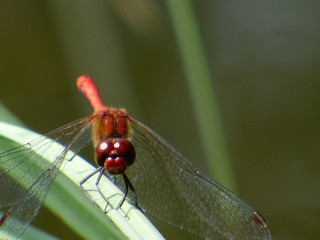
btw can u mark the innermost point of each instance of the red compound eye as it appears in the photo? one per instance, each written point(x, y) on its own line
point(125, 149)
point(103, 150)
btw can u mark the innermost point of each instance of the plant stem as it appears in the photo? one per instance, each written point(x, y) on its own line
point(201, 89)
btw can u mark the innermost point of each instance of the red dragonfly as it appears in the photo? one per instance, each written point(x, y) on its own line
point(160, 181)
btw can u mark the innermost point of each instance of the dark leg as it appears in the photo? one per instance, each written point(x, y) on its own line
point(89, 176)
point(99, 190)
point(114, 180)
point(99, 170)
point(129, 186)
point(86, 178)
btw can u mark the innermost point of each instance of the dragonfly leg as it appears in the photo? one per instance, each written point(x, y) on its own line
point(114, 180)
point(99, 169)
point(129, 186)
point(89, 176)
point(99, 190)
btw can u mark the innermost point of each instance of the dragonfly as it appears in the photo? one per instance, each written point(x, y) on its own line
point(154, 175)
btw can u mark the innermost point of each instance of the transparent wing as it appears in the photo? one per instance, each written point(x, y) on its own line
point(170, 189)
point(26, 177)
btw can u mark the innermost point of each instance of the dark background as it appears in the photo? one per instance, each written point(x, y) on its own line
point(264, 57)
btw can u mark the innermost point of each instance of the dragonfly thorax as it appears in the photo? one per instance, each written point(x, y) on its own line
point(111, 123)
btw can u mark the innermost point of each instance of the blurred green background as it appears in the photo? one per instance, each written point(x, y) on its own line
point(264, 58)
